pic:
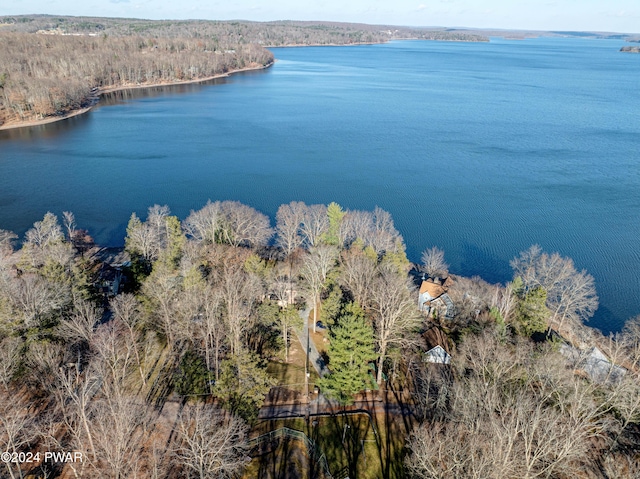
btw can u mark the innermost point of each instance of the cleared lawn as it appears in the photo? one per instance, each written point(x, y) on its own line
point(290, 375)
point(353, 445)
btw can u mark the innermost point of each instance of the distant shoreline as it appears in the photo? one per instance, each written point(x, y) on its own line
point(324, 45)
point(373, 43)
point(81, 111)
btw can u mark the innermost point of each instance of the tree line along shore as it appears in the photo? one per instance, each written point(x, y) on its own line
point(49, 76)
point(51, 67)
point(156, 360)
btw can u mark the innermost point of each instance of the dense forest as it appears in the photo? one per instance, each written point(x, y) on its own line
point(232, 32)
point(51, 66)
point(50, 75)
point(165, 359)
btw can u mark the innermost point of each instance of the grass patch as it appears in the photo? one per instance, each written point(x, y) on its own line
point(291, 374)
point(353, 445)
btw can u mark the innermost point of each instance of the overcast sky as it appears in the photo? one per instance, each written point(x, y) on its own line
point(599, 15)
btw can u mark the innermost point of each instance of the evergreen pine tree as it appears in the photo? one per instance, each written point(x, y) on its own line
point(332, 305)
point(335, 214)
point(350, 351)
point(531, 312)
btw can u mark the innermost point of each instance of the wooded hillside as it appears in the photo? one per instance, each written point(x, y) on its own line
point(49, 75)
point(231, 32)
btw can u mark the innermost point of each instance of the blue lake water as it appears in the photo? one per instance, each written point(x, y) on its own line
point(479, 148)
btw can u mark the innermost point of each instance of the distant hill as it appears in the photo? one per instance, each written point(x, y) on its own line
point(278, 33)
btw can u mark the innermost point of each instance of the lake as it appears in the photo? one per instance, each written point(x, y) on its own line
point(479, 148)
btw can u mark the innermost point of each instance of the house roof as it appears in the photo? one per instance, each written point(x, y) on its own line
point(438, 355)
point(594, 363)
point(600, 369)
point(434, 290)
point(446, 301)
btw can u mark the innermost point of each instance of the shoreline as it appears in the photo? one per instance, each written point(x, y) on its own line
point(100, 92)
point(81, 111)
point(372, 43)
point(325, 45)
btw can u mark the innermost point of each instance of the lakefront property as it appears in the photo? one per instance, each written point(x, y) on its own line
point(186, 338)
point(309, 306)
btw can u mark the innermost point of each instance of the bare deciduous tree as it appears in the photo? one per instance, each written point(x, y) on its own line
point(289, 219)
point(229, 222)
point(211, 445)
point(504, 300)
point(374, 229)
point(315, 269)
point(17, 430)
point(395, 313)
point(315, 223)
point(206, 223)
point(384, 236)
point(571, 294)
point(239, 292)
point(118, 427)
point(431, 386)
point(6, 242)
point(509, 417)
point(433, 262)
point(288, 318)
point(624, 396)
point(141, 239)
point(355, 225)
point(282, 288)
point(69, 222)
point(358, 273)
point(212, 330)
point(162, 290)
point(80, 323)
point(35, 299)
point(44, 232)
point(438, 453)
point(115, 358)
point(43, 360)
point(630, 338)
point(75, 390)
point(244, 226)
point(125, 308)
point(9, 355)
point(45, 241)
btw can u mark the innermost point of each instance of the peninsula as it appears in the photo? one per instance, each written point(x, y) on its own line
point(52, 68)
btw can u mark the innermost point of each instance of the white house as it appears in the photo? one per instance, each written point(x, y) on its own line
point(437, 355)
